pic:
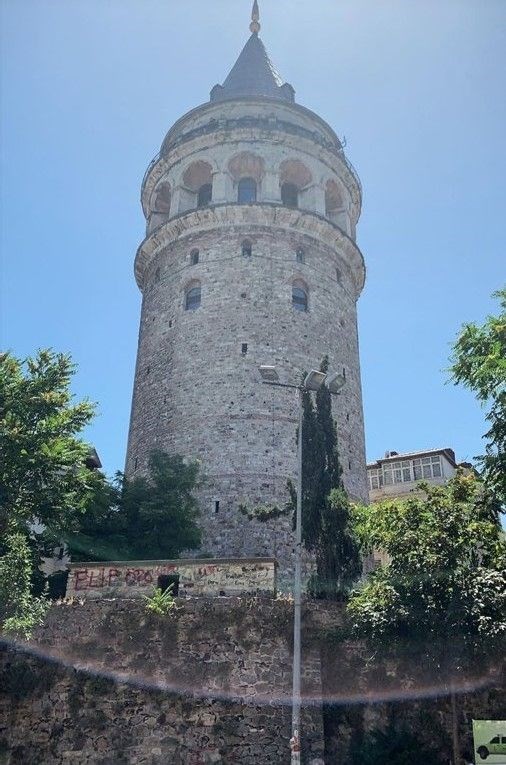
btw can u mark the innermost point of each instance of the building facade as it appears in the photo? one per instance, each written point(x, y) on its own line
point(396, 475)
point(249, 258)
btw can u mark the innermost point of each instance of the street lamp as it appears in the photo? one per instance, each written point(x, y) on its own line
point(312, 382)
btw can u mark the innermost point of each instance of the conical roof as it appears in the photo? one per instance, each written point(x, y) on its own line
point(253, 74)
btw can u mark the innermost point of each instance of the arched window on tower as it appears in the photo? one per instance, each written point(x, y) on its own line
point(295, 180)
point(205, 195)
point(300, 297)
point(192, 298)
point(246, 191)
point(290, 195)
point(196, 189)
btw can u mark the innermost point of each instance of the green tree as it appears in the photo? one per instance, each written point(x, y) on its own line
point(445, 584)
point(43, 475)
point(44, 481)
point(441, 600)
point(327, 529)
point(479, 363)
point(145, 518)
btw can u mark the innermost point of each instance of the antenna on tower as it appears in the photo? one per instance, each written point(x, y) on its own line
point(255, 19)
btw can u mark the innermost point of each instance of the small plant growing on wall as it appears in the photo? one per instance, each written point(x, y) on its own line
point(161, 602)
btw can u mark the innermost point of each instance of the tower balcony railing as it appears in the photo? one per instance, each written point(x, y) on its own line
point(262, 124)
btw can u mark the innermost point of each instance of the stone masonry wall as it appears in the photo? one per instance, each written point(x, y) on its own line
point(103, 683)
point(197, 388)
point(196, 577)
point(209, 684)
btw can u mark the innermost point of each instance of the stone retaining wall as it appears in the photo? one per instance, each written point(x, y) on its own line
point(105, 683)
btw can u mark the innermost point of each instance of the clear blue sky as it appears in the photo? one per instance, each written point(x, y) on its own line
point(90, 87)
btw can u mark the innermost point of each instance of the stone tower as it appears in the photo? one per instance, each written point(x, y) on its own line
point(249, 258)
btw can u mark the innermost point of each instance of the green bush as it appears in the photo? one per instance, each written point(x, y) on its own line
point(20, 611)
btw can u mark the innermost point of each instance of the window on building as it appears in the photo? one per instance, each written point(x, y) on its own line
point(427, 467)
point(406, 471)
point(204, 195)
point(247, 191)
point(375, 478)
point(247, 249)
point(217, 506)
point(244, 349)
point(192, 298)
point(194, 257)
point(299, 298)
point(290, 195)
point(300, 255)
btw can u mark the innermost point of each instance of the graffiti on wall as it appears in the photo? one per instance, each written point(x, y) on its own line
point(105, 576)
point(97, 578)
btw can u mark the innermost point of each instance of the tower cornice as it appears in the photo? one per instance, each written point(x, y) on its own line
point(277, 127)
point(178, 129)
point(261, 215)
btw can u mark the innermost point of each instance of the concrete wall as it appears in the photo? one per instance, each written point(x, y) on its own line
point(196, 577)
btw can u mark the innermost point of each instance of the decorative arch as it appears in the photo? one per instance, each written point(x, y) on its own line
point(295, 172)
point(246, 165)
point(198, 185)
point(197, 174)
point(335, 207)
point(161, 198)
point(333, 198)
point(294, 176)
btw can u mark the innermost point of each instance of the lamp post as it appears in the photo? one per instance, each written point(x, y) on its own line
point(313, 381)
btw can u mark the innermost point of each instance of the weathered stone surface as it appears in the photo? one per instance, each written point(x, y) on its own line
point(255, 576)
point(197, 387)
point(103, 682)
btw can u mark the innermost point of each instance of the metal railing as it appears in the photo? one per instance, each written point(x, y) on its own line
point(262, 124)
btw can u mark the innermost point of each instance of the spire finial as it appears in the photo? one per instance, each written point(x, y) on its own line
point(255, 19)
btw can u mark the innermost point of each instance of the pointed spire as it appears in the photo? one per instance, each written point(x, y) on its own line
point(253, 74)
point(255, 19)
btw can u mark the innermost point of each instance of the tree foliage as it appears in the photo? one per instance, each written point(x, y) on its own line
point(326, 512)
point(144, 518)
point(445, 584)
point(20, 611)
point(43, 476)
point(479, 363)
point(44, 481)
